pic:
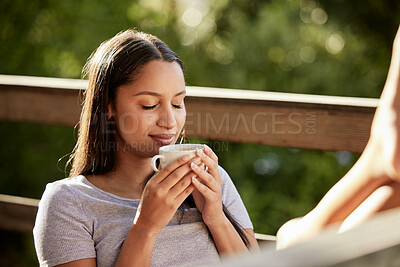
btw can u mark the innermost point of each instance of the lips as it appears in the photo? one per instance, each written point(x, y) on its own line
point(163, 139)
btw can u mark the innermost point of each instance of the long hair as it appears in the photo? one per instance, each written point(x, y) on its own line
point(115, 63)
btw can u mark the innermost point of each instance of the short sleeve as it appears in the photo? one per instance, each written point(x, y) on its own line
point(62, 232)
point(233, 202)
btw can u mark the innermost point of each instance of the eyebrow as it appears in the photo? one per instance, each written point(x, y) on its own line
point(157, 94)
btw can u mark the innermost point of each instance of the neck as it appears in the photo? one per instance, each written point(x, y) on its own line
point(129, 176)
point(131, 172)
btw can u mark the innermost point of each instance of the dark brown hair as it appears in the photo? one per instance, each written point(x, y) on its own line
point(113, 64)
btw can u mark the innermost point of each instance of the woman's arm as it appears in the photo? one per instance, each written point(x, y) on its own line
point(137, 247)
point(340, 201)
point(251, 237)
point(208, 199)
point(226, 238)
point(162, 196)
point(228, 241)
point(80, 263)
point(378, 165)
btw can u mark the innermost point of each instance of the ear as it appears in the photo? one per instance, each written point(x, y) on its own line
point(110, 110)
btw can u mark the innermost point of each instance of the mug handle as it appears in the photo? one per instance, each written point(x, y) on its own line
point(153, 162)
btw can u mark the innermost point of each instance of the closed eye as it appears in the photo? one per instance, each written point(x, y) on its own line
point(148, 107)
point(178, 106)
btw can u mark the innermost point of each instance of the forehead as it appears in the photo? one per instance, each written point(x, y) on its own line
point(158, 76)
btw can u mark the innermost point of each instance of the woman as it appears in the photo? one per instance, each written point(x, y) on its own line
point(114, 211)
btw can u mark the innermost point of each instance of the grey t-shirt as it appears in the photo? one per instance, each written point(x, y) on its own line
point(77, 220)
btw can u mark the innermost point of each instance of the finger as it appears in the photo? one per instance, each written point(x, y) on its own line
point(394, 62)
point(210, 153)
point(174, 177)
point(203, 189)
point(182, 196)
point(160, 176)
point(211, 164)
point(181, 185)
point(206, 177)
point(206, 159)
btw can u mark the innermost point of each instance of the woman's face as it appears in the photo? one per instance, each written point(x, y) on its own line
point(150, 112)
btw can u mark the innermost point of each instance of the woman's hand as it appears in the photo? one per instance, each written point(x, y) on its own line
point(375, 178)
point(208, 199)
point(164, 193)
point(384, 144)
point(208, 192)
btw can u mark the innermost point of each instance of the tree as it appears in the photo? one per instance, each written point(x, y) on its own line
point(303, 46)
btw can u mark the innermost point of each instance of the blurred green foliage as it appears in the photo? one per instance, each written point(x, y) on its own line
point(302, 46)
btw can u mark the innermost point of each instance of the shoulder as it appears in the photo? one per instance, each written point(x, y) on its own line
point(224, 175)
point(233, 202)
point(65, 198)
point(227, 182)
point(229, 190)
point(60, 205)
point(62, 190)
point(62, 230)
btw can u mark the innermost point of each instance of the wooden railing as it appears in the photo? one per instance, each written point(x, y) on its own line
point(375, 243)
point(278, 119)
point(17, 213)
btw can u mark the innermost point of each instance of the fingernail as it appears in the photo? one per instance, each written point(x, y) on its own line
point(192, 165)
point(197, 160)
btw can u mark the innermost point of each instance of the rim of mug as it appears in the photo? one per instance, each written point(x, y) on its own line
point(170, 148)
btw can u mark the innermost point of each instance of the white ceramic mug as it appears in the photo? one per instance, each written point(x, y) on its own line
point(168, 154)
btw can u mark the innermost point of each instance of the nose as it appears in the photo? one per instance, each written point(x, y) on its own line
point(166, 118)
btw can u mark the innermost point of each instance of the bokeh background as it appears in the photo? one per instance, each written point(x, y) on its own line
point(300, 46)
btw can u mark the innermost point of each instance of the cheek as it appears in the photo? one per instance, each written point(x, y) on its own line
point(181, 118)
point(128, 123)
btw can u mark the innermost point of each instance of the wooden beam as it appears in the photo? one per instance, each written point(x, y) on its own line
point(268, 118)
point(335, 125)
point(376, 242)
point(266, 240)
point(17, 213)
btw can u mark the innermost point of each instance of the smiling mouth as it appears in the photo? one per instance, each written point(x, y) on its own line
point(163, 139)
